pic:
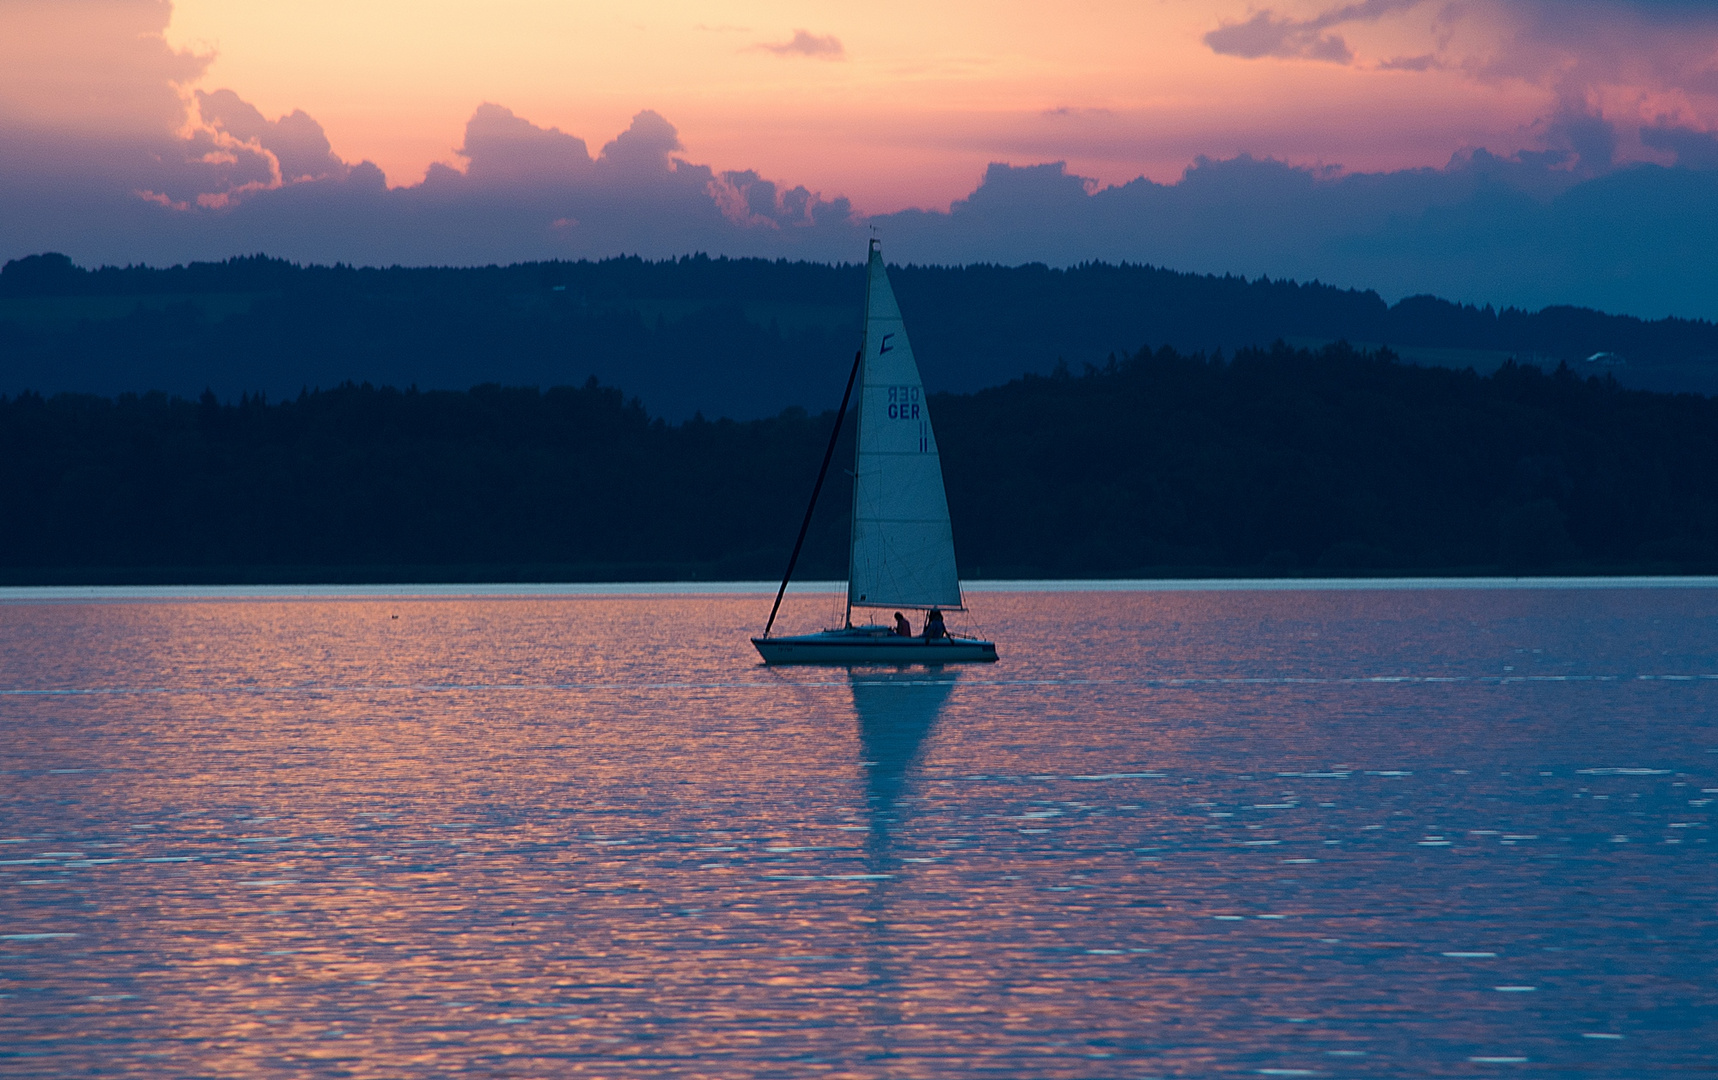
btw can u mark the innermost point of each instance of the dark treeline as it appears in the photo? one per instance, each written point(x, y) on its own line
point(379, 483)
point(1273, 462)
point(742, 338)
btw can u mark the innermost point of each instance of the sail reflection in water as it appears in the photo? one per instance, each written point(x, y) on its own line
point(897, 713)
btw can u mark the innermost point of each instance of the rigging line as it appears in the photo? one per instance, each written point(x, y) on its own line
point(793, 559)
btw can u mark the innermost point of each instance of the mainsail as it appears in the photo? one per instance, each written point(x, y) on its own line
point(903, 547)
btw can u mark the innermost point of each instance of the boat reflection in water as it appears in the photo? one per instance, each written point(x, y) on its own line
point(897, 713)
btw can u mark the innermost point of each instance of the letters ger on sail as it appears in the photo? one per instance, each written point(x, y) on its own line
point(903, 546)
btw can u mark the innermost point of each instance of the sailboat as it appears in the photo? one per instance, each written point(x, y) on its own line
point(902, 545)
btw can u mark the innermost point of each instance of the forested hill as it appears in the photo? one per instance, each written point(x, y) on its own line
point(1273, 462)
point(739, 338)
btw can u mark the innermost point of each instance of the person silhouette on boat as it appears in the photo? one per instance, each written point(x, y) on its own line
point(934, 628)
point(903, 628)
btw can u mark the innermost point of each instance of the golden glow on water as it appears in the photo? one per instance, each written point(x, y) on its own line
point(1177, 834)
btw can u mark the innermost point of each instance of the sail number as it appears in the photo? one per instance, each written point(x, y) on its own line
point(904, 402)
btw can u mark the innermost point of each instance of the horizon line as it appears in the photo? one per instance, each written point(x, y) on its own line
point(52, 594)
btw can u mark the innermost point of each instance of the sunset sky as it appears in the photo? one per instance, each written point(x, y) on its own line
point(1355, 141)
point(903, 102)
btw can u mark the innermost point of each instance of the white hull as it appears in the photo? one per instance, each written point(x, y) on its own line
point(867, 645)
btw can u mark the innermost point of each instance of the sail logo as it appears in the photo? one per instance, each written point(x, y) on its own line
point(904, 402)
point(884, 345)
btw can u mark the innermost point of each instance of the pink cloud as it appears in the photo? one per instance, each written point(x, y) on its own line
point(806, 43)
point(501, 148)
point(297, 143)
point(1268, 34)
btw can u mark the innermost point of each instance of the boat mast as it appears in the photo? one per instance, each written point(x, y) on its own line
point(793, 559)
point(859, 429)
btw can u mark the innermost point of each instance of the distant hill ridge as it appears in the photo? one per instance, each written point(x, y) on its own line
point(731, 337)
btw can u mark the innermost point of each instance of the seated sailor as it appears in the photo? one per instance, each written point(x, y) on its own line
point(934, 628)
point(902, 627)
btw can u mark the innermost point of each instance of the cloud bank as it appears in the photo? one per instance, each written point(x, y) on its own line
point(1630, 60)
point(1613, 208)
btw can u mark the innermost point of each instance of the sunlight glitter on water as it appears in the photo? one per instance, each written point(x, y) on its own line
point(1343, 833)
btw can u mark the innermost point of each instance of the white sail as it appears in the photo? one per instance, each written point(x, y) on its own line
point(903, 547)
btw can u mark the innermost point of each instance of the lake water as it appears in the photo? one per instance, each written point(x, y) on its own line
point(1364, 832)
